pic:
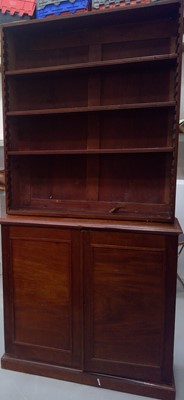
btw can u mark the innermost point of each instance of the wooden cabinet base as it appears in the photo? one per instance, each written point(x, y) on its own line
point(153, 390)
point(91, 302)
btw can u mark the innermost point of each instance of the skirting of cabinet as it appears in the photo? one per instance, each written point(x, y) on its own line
point(163, 392)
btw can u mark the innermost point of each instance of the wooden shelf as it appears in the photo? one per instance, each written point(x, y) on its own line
point(90, 151)
point(93, 65)
point(91, 108)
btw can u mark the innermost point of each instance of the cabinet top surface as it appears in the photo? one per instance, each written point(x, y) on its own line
point(80, 223)
point(89, 17)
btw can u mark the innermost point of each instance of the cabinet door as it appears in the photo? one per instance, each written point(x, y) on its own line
point(42, 295)
point(129, 304)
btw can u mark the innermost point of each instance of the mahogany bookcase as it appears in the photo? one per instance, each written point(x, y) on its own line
point(91, 109)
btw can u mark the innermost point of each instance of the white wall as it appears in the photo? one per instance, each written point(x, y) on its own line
point(182, 90)
point(180, 202)
point(1, 114)
point(180, 216)
point(180, 183)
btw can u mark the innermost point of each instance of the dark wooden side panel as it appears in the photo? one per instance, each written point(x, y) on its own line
point(42, 295)
point(126, 307)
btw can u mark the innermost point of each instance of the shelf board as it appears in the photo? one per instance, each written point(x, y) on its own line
point(94, 64)
point(90, 151)
point(71, 110)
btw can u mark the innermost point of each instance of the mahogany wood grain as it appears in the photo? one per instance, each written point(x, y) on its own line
point(103, 290)
point(42, 283)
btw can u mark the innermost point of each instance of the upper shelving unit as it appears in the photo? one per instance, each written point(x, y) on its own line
point(91, 106)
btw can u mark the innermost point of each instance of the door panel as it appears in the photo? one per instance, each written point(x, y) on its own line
point(124, 304)
point(45, 295)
